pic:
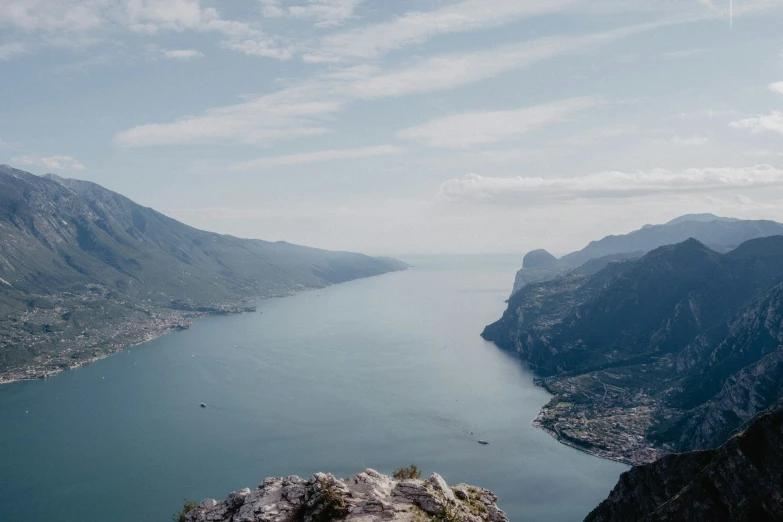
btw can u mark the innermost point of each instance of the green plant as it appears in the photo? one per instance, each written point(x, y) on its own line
point(418, 514)
point(187, 507)
point(334, 504)
point(447, 514)
point(410, 473)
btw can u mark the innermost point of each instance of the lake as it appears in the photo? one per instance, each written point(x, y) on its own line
point(380, 372)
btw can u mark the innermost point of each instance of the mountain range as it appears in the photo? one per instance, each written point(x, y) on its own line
point(719, 233)
point(672, 351)
point(85, 271)
point(662, 348)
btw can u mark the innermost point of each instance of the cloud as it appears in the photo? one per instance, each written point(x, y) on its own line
point(772, 122)
point(776, 87)
point(685, 53)
point(260, 44)
point(174, 54)
point(317, 157)
point(85, 15)
point(690, 141)
point(705, 114)
point(597, 135)
point(328, 13)
point(12, 50)
point(49, 15)
point(475, 188)
point(509, 156)
point(183, 54)
point(68, 20)
point(681, 54)
point(177, 15)
point(448, 71)
point(478, 128)
point(286, 114)
point(415, 27)
point(299, 110)
point(50, 162)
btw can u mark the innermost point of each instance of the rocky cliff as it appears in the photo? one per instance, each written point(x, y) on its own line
point(740, 481)
point(721, 398)
point(367, 497)
point(538, 265)
point(670, 352)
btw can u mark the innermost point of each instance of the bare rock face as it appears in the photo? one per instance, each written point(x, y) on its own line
point(539, 259)
point(367, 497)
point(741, 481)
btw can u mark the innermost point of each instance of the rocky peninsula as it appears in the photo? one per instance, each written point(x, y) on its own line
point(367, 497)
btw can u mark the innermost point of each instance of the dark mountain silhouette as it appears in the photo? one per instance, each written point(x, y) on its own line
point(719, 233)
point(691, 336)
point(741, 481)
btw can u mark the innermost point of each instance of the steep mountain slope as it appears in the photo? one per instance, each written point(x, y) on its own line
point(676, 349)
point(538, 265)
point(69, 246)
point(716, 396)
point(740, 481)
point(656, 304)
point(720, 234)
point(68, 232)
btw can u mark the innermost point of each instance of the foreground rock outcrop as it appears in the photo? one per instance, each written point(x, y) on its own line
point(741, 481)
point(367, 497)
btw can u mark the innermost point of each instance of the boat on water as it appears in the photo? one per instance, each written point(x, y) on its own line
point(484, 442)
point(203, 405)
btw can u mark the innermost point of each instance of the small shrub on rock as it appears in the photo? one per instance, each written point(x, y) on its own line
point(410, 473)
point(447, 514)
point(334, 507)
point(187, 507)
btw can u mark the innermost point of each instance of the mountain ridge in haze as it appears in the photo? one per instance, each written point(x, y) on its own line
point(76, 256)
point(719, 233)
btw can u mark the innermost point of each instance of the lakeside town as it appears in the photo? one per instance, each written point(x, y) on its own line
point(69, 332)
point(600, 419)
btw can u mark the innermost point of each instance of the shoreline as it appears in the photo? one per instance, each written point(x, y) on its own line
point(563, 440)
point(180, 320)
point(566, 442)
point(558, 421)
point(146, 335)
point(85, 362)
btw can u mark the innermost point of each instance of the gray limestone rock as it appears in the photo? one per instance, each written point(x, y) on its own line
point(367, 497)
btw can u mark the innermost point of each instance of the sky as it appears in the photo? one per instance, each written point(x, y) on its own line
point(404, 127)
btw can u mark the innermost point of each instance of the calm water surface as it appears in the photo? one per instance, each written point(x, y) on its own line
point(376, 373)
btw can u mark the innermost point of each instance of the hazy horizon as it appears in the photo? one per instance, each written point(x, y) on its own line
point(405, 128)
